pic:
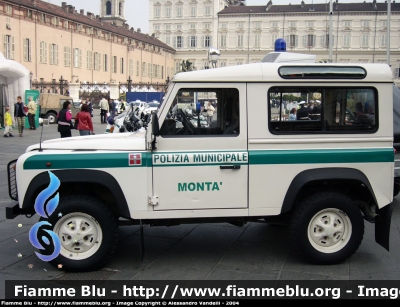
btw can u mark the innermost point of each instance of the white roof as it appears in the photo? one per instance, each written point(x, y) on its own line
point(264, 72)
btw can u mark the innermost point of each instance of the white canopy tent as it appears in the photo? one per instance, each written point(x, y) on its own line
point(14, 80)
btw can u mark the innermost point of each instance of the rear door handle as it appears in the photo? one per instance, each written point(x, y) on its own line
point(229, 166)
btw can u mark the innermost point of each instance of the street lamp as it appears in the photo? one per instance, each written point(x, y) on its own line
point(129, 84)
point(61, 85)
point(213, 56)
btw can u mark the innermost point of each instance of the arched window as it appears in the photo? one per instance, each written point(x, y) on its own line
point(108, 8)
point(120, 9)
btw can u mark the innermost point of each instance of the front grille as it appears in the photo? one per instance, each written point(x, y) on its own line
point(12, 180)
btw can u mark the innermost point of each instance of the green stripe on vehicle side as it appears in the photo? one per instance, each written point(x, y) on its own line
point(87, 160)
point(321, 156)
point(256, 157)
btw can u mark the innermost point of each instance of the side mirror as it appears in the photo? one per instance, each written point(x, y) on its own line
point(155, 125)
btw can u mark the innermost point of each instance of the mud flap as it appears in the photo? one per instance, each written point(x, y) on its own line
point(382, 226)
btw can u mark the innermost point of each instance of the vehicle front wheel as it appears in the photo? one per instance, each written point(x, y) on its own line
point(88, 233)
point(327, 228)
point(52, 117)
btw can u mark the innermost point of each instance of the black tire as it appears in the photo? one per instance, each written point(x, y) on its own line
point(99, 225)
point(327, 228)
point(52, 117)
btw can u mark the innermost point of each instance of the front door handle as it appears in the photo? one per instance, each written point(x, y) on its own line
point(229, 166)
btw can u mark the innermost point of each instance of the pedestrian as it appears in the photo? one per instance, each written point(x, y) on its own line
point(113, 108)
point(19, 115)
point(64, 120)
point(8, 123)
point(90, 105)
point(104, 108)
point(292, 115)
point(85, 124)
point(210, 111)
point(31, 114)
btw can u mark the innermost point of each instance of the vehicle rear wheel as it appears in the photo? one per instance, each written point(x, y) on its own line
point(327, 228)
point(52, 117)
point(88, 232)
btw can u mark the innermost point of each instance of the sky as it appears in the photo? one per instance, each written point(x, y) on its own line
point(137, 11)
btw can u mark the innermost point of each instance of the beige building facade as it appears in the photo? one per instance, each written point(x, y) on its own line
point(53, 41)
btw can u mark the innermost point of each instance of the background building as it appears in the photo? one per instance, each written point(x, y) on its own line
point(53, 41)
point(245, 34)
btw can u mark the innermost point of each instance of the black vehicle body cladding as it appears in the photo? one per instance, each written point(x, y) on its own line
point(319, 175)
point(382, 226)
point(101, 178)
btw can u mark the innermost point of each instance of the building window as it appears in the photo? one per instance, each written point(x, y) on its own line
point(130, 72)
point(42, 17)
point(364, 40)
point(8, 9)
point(292, 40)
point(179, 26)
point(89, 60)
point(77, 58)
point(222, 64)
point(257, 24)
point(168, 40)
point(207, 41)
point(193, 41)
point(29, 14)
point(168, 12)
point(325, 40)
point(365, 23)
point(310, 24)
point(384, 23)
point(66, 24)
point(178, 42)
point(108, 8)
point(257, 40)
point(156, 27)
point(137, 68)
point(97, 61)
point(292, 24)
point(150, 70)
point(114, 64)
point(67, 56)
point(223, 25)
point(274, 38)
point(168, 27)
point(240, 40)
point(144, 69)
point(43, 52)
point(208, 10)
point(207, 25)
point(239, 62)
point(179, 11)
point(53, 54)
point(346, 40)
point(193, 11)
point(274, 24)
point(55, 21)
point(177, 66)
point(122, 64)
point(157, 11)
point(192, 26)
point(240, 25)
point(347, 23)
point(105, 62)
point(223, 40)
point(8, 42)
point(309, 40)
point(384, 40)
point(27, 50)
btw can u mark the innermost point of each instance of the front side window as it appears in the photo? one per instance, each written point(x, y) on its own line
point(302, 110)
point(203, 112)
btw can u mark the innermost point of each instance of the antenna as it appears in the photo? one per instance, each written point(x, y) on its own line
point(43, 121)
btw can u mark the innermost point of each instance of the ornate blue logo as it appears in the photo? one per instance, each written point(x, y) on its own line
point(39, 235)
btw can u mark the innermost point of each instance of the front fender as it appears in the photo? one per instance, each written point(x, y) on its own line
point(42, 180)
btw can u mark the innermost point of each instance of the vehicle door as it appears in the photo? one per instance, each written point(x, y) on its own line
point(199, 166)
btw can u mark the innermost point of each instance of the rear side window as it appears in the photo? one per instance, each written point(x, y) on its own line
point(322, 110)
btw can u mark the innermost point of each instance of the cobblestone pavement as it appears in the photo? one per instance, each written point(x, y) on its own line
point(196, 251)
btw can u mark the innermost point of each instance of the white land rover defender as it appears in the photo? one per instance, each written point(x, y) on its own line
point(310, 145)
